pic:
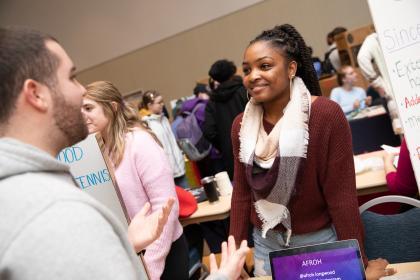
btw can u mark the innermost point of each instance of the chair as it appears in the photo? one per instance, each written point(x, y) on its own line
point(393, 237)
point(327, 84)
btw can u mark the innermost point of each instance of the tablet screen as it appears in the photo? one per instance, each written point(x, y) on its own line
point(328, 261)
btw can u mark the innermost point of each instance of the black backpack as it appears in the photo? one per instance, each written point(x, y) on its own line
point(326, 66)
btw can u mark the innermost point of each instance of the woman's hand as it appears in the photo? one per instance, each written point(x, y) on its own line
point(377, 269)
point(145, 228)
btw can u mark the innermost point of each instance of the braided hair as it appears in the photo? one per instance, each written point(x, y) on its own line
point(286, 38)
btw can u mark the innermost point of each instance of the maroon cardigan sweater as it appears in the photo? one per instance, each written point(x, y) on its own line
point(325, 191)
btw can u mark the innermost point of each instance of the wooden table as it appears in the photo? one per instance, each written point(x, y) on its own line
point(372, 181)
point(207, 211)
point(366, 183)
point(400, 267)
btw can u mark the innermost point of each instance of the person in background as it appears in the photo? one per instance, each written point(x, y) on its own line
point(215, 231)
point(372, 63)
point(348, 96)
point(201, 93)
point(227, 99)
point(142, 172)
point(143, 111)
point(332, 62)
point(294, 169)
point(213, 163)
point(152, 101)
point(401, 180)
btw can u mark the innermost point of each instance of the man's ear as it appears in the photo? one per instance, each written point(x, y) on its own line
point(36, 94)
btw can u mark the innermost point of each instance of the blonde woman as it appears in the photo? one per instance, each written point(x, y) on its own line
point(142, 172)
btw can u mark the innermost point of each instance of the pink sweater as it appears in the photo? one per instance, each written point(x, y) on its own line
point(144, 175)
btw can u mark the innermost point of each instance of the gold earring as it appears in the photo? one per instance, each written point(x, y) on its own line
point(290, 85)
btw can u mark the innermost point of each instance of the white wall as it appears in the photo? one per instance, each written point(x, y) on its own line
point(95, 31)
point(172, 65)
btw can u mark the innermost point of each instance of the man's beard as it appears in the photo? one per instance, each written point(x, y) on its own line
point(69, 119)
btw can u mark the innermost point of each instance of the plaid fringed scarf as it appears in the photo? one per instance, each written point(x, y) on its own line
point(272, 161)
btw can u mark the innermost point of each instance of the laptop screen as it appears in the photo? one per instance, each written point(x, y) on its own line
point(328, 261)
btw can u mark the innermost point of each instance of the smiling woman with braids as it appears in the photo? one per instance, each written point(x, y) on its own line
point(294, 171)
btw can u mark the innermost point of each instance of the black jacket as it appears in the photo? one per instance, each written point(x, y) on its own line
point(226, 102)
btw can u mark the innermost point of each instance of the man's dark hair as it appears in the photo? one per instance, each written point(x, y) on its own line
point(200, 88)
point(222, 70)
point(338, 30)
point(23, 55)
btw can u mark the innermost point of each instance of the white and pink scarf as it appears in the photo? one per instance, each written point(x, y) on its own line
point(272, 161)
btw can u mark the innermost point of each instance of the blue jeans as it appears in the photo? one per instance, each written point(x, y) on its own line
point(275, 241)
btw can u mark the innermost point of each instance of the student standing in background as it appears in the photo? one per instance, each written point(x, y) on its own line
point(332, 62)
point(159, 124)
point(227, 99)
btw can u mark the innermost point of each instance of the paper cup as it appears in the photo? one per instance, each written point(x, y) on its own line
point(223, 183)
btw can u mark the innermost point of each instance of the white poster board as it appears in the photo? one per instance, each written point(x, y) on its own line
point(397, 23)
point(90, 171)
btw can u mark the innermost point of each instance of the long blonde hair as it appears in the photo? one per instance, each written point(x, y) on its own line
point(122, 117)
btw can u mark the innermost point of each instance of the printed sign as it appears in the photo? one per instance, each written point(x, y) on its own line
point(91, 173)
point(397, 23)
